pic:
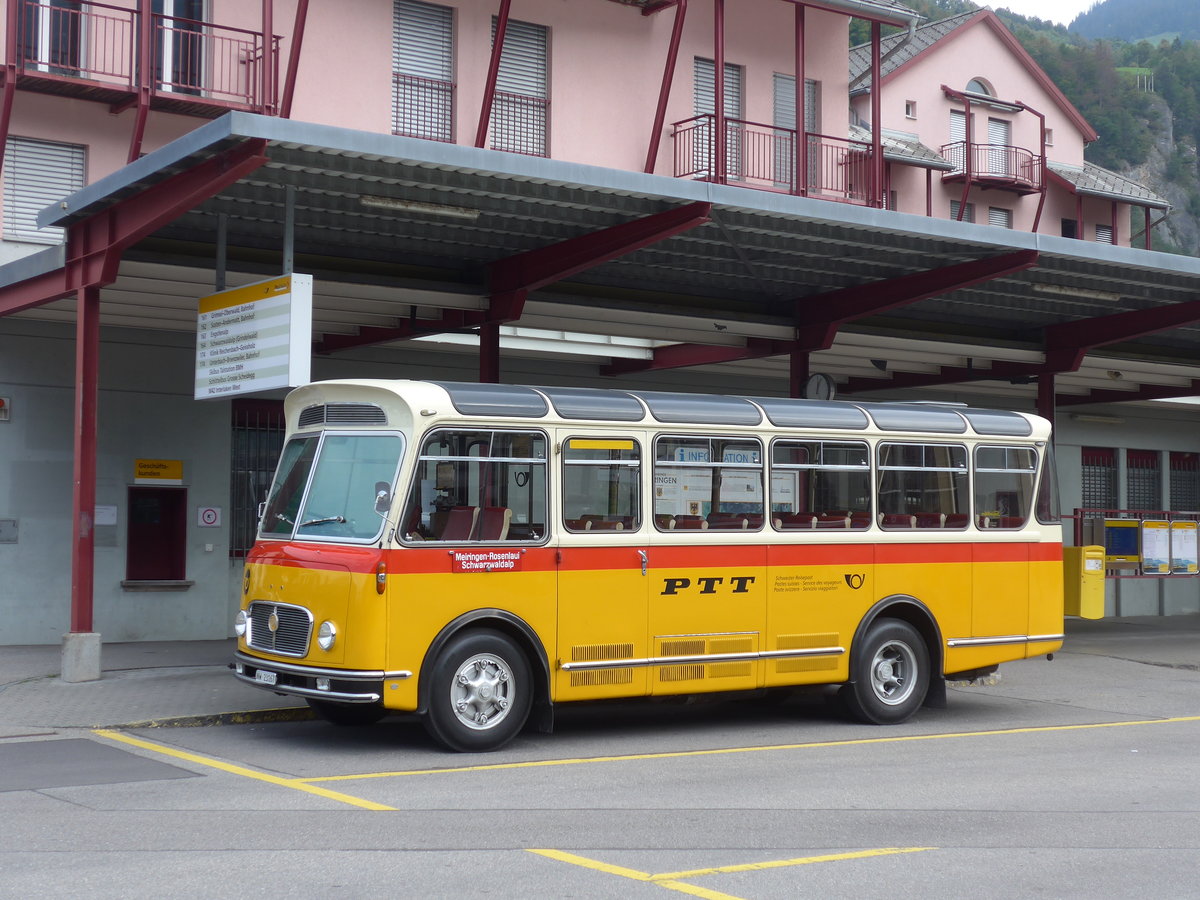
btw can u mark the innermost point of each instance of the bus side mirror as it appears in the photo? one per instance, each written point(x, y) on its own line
point(383, 497)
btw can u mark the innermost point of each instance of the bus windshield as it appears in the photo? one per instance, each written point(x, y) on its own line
point(327, 488)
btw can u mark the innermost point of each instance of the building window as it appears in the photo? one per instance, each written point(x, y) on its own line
point(257, 437)
point(1049, 137)
point(910, 109)
point(38, 174)
point(179, 63)
point(1185, 482)
point(784, 119)
point(1098, 477)
point(980, 86)
point(968, 214)
point(51, 40)
point(1143, 479)
point(156, 537)
point(1070, 228)
point(1001, 218)
point(1104, 234)
point(704, 100)
point(422, 70)
point(521, 109)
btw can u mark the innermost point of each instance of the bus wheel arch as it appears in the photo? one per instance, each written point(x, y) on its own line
point(895, 662)
point(480, 632)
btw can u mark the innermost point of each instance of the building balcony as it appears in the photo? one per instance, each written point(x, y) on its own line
point(999, 166)
point(764, 157)
point(95, 51)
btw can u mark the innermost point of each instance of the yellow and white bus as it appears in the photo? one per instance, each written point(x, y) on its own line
point(479, 553)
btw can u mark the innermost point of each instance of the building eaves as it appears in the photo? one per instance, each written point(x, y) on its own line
point(921, 40)
point(903, 148)
point(1094, 181)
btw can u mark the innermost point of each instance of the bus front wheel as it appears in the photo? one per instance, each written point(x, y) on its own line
point(480, 692)
point(890, 674)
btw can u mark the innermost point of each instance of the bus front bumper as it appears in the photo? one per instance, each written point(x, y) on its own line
point(337, 685)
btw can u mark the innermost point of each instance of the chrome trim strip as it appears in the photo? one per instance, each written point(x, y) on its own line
point(700, 658)
point(1000, 641)
point(370, 697)
point(319, 671)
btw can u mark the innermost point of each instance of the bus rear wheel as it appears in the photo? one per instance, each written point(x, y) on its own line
point(890, 674)
point(480, 692)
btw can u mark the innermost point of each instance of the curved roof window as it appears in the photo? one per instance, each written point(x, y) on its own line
point(979, 86)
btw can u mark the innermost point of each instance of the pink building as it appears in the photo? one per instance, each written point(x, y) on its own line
point(975, 131)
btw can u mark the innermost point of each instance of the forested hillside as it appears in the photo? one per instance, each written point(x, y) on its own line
point(1141, 96)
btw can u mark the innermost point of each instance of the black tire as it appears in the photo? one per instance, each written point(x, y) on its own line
point(347, 714)
point(480, 692)
point(890, 674)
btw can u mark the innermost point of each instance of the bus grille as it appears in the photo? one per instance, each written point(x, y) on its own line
point(293, 628)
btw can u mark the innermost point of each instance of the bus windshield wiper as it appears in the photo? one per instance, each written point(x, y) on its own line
point(323, 520)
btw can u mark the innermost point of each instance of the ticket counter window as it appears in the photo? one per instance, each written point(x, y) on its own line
point(155, 546)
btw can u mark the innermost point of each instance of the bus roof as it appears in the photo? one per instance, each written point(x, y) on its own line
point(341, 401)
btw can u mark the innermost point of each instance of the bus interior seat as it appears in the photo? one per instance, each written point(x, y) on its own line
point(727, 521)
point(460, 522)
point(493, 523)
point(792, 521)
point(957, 520)
point(664, 522)
point(693, 523)
point(584, 524)
point(931, 520)
point(897, 520)
point(604, 523)
point(833, 520)
point(860, 518)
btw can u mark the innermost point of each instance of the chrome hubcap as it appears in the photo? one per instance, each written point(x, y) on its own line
point(481, 693)
point(893, 671)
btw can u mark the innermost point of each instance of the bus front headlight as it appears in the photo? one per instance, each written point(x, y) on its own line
point(326, 635)
point(239, 623)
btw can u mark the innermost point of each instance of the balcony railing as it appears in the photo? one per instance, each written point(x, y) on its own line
point(422, 107)
point(1002, 165)
point(763, 156)
point(99, 43)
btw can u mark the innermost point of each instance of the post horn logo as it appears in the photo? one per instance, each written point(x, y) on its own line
point(855, 581)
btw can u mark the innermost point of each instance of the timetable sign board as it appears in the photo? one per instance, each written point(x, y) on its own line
point(253, 338)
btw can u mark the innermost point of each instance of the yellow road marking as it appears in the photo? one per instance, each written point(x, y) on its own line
point(673, 880)
point(679, 754)
point(295, 784)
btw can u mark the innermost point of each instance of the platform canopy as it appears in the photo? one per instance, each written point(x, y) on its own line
point(614, 271)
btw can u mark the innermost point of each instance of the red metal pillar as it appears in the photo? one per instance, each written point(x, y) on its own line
point(664, 91)
point(87, 358)
point(800, 185)
point(143, 73)
point(1146, 210)
point(489, 89)
point(876, 118)
point(1045, 396)
point(489, 353)
point(11, 69)
point(968, 144)
point(266, 103)
point(293, 66)
point(798, 372)
point(719, 173)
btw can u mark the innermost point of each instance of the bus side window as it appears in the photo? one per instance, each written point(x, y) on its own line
point(1004, 479)
point(601, 485)
point(922, 485)
point(478, 485)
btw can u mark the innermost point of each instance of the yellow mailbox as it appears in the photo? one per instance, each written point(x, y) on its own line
point(1083, 582)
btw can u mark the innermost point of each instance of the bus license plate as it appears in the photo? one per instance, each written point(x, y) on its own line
point(262, 676)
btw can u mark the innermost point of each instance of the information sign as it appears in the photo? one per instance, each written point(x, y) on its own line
point(254, 338)
point(1156, 547)
point(1185, 560)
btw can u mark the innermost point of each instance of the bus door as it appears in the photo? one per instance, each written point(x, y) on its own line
point(708, 567)
point(602, 569)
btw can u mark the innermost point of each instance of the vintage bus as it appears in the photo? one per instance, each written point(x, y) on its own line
point(480, 553)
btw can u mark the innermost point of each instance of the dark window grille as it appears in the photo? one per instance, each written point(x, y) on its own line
point(1185, 482)
point(423, 108)
point(1143, 479)
point(258, 429)
point(1099, 478)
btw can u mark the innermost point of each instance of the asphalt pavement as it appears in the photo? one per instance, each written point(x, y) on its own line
point(188, 683)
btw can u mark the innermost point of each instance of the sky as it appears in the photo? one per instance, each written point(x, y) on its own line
point(1060, 12)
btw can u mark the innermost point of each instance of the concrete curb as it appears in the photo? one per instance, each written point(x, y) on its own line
point(247, 717)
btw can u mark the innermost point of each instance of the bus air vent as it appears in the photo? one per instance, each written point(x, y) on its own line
point(343, 414)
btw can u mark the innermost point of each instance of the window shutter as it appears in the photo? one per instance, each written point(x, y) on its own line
point(423, 39)
point(705, 88)
point(968, 215)
point(422, 64)
point(1001, 218)
point(1104, 234)
point(523, 64)
point(38, 174)
point(785, 102)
